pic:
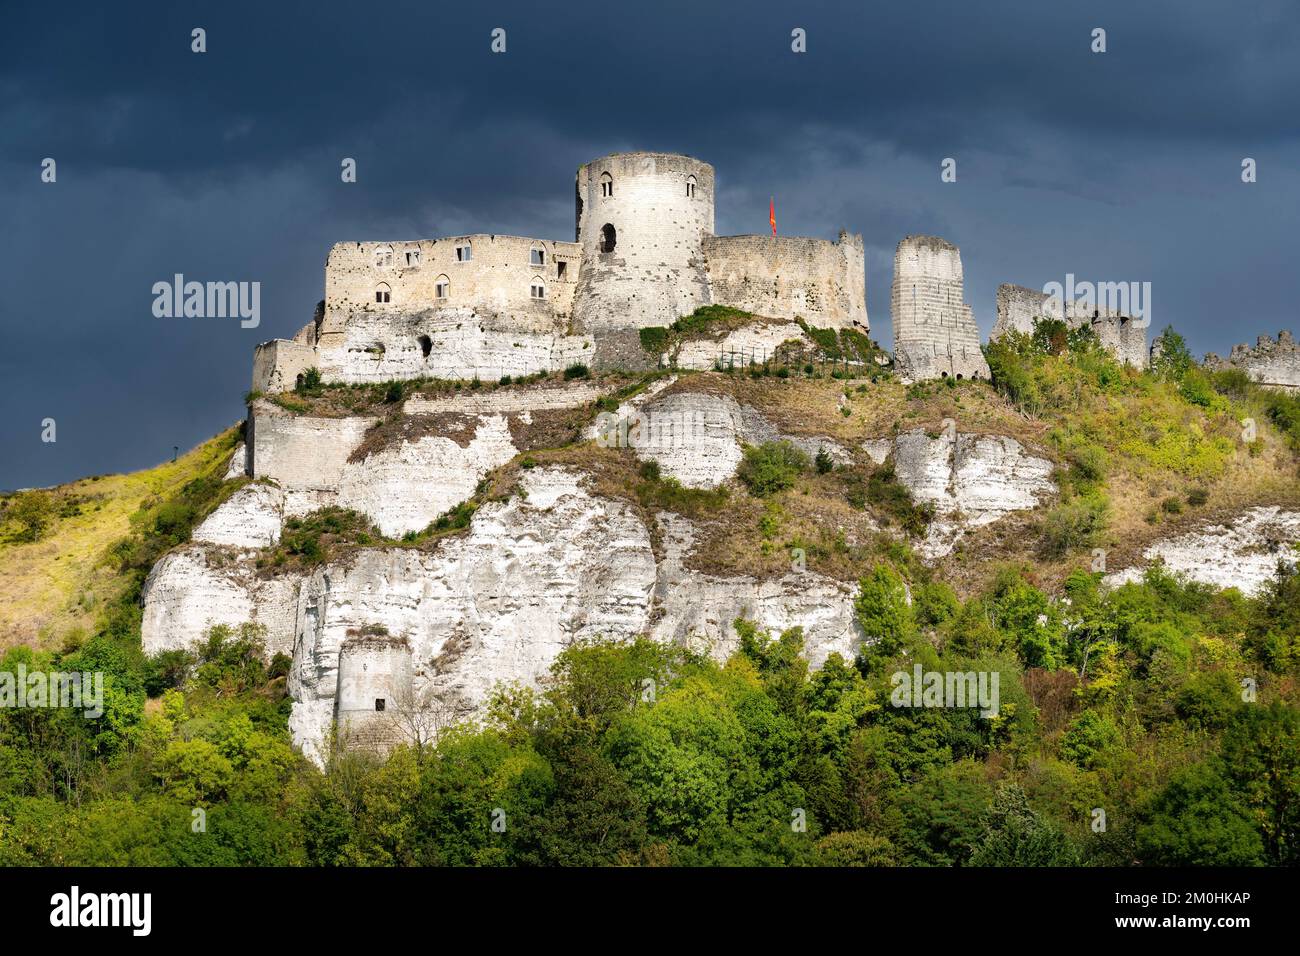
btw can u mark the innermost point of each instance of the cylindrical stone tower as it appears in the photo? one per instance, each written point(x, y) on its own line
point(641, 219)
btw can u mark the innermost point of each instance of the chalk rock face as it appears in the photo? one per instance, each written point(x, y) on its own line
point(405, 486)
point(697, 437)
point(694, 437)
point(752, 344)
point(532, 576)
point(971, 480)
point(1243, 553)
point(238, 463)
point(401, 487)
point(250, 518)
point(699, 609)
point(195, 588)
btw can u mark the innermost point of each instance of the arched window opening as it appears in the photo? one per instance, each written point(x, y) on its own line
point(537, 256)
point(464, 252)
point(412, 257)
point(383, 293)
point(690, 187)
point(538, 288)
point(441, 287)
point(606, 185)
point(383, 256)
point(608, 237)
point(426, 345)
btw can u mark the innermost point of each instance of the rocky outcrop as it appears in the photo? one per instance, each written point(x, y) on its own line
point(752, 344)
point(250, 518)
point(553, 565)
point(971, 480)
point(405, 486)
point(698, 437)
point(699, 609)
point(401, 486)
point(194, 588)
point(1242, 553)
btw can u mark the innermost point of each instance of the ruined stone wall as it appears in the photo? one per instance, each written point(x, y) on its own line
point(1272, 363)
point(278, 363)
point(655, 272)
point(787, 277)
point(496, 278)
point(1123, 336)
point(934, 330)
point(374, 668)
point(445, 343)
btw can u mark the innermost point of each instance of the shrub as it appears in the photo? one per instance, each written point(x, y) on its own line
point(1171, 506)
point(309, 382)
point(824, 462)
point(1074, 524)
point(33, 511)
point(771, 467)
point(1197, 497)
point(654, 340)
point(577, 370)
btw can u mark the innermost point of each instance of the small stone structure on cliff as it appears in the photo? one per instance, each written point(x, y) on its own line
point(935, 335)
point(489, 305)
point(1272, 363)
point(1018, 308)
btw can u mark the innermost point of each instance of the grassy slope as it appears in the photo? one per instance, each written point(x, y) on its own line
point(56, 585)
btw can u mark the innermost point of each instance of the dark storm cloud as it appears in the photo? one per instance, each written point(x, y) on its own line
point(225, 165)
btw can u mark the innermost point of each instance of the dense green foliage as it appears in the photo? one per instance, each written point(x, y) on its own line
point(1126, 703)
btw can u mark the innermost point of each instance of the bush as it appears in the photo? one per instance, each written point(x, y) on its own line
point(309, 382)
point(824, 462)
point(655, 340)
point(1074, 524)
point(1197, 497)
point(576, 370)
point(33, 511)
point(771, 467)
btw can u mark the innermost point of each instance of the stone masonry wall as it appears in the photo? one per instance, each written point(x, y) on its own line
point(1273, 363)
point(497, 277)
point(786, 277)
point(655, 272)
point(934, 330)
point(1123, 336)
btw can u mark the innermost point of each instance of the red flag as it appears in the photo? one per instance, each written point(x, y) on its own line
point(771, 214)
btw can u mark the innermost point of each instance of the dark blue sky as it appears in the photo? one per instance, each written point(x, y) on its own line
point(225, 166)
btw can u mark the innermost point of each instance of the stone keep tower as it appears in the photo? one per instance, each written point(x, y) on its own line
point(641, 222)
point(935, 335)
point(375, 684)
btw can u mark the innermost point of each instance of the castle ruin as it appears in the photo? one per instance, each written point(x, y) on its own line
point(1018, 308)
point(1272, 363)
point(490, 305)
point(935, 335)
